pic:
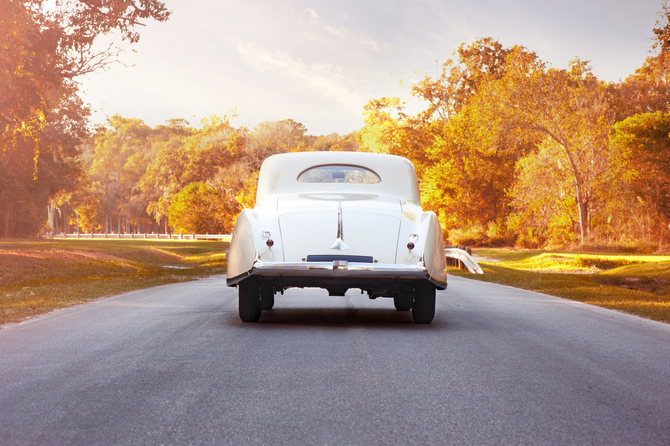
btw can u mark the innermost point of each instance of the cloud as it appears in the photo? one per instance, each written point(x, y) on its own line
point(313, 14)
point(371, 43)
point(324, 79)
point(343, 32)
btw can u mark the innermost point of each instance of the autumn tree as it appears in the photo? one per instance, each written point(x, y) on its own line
point(495, 113)
point(273, 137)
point(42, 120)
point(186, 158)
point(334, 142)
point(642, 161)
point(198, 208)
point(641, 92)
point(568, 107)
point(661, 44)
point(478, 63)
point(236, 184)
point(472, 163)
point(45, 46)
point(464, 153)
point(543, 199)
point(116, 161)
point(389, 129)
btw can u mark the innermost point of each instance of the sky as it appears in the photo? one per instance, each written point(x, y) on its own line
point(319, 62)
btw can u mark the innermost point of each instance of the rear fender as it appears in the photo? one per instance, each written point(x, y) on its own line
point(428, 245)
point(433, 254)
point(249, 243)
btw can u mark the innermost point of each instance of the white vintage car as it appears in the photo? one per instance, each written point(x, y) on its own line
point(338, 220)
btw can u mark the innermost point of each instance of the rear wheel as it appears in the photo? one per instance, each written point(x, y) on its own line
point(423, 309)
point(403, 302)
point(249, 293)
point(267, 297)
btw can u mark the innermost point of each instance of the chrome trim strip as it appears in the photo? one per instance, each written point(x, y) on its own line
point(352, 266)
point(339, 242)
point(340, 232)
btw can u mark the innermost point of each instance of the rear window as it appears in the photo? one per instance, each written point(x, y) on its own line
point(333, 173)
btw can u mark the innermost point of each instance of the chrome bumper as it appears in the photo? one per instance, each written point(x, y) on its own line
point(336, 268)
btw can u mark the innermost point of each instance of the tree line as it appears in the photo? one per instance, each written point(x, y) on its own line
point(512, 151)
point(509, 150)
point(174, 178)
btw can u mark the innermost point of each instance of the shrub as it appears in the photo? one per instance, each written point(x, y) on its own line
point(469, 235)
point(499, 234)
point(198, 208)
point(602, 263)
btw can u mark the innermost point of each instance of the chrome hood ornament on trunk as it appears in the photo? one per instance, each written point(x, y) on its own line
point(339, 243)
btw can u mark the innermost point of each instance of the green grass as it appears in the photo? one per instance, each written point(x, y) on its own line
point(38, 276)
point(637, 284)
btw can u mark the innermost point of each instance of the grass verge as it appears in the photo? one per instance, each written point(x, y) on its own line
point(38, 276)
point(636, 284)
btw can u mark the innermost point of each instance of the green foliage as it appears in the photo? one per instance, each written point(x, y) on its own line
point(643, 150)
point(543, 200)
point(469, 169)
point(198, 208)
point(389, 130)
point(246, 197)
point(175, 177)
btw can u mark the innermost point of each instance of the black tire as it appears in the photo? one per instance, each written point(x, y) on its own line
point(403, 302)
point(249, 293)
point(267, 297)
point(423, 309)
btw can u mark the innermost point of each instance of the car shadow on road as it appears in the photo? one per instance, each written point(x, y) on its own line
point(343, 318)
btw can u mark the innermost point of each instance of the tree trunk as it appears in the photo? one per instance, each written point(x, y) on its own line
point(51, 211)
point(8, 211)
point(107, 222)
point(583, 209)
point(582, 205)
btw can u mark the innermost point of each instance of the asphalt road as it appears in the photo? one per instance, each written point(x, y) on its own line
point(174, 365)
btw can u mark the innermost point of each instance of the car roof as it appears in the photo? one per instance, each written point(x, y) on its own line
point(279, 174)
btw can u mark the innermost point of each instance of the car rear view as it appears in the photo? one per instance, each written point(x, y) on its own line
point(337, 220)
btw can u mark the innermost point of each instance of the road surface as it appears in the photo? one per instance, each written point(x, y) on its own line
point(174, 365)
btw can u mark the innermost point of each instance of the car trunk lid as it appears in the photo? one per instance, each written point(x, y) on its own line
point(309, 225)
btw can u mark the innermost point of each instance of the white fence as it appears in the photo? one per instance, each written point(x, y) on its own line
point(222, 237)
point(455, 256)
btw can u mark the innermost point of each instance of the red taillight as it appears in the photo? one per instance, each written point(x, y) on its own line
point(410, 246)
point(270, 242)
